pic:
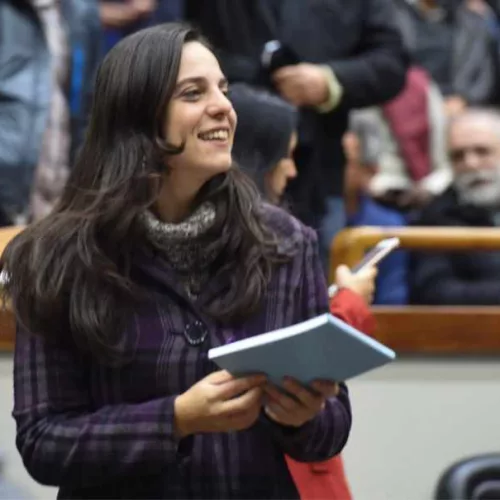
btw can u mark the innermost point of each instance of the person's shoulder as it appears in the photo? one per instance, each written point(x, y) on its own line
point(380, 215)
point(292, 233)
point(391, 217)
point(464, 15)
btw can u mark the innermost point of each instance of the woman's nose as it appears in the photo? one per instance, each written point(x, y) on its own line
point(292, 170)
point(220, 104)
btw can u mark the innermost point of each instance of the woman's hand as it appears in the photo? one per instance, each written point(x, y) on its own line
point(304, 404)
point(362, 282)
point(219, 403)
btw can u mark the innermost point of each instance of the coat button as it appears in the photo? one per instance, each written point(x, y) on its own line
point(195, 333)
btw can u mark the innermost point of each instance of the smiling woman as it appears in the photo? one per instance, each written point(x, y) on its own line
point(202, 120)
point(158, 250)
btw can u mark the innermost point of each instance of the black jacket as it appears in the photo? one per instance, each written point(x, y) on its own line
point(357, 38)
point(455, 278)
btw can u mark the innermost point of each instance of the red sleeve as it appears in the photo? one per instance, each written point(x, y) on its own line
point(352, 308)
point(320, 480)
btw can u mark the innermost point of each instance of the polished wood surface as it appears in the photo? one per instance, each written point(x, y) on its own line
point(7, 330)
point(6, 234)
point(431, 330)
point(407, 330)
point(7, 323)
point(428, 330)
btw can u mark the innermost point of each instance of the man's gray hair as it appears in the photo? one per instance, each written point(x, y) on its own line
point(481, 113)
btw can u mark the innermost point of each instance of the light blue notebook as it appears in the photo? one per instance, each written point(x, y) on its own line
point(324, 347)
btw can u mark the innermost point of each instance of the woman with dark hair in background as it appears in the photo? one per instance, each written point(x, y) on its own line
point(265, 139)
point(158, 250)
point(264, 144)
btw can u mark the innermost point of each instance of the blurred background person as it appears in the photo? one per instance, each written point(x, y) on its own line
point(265, 139)
point(451, 43)
point(324, 57)
point(473, 200)
point(489, 11)
point(264, 144)
point(49, 51)
point(362, 210)
point(405, 142)
point(123, 17)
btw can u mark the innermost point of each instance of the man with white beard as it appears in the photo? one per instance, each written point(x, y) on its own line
point(464, 278)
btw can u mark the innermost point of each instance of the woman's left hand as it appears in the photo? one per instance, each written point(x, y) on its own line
point(303, 406)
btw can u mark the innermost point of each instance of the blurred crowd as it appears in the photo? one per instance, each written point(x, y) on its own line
point(366, 112)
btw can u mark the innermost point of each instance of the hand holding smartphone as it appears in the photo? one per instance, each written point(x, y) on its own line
point(372, 258)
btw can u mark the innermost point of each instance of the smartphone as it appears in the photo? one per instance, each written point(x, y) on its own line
point(371, 258)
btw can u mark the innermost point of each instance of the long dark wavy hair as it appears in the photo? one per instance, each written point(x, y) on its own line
point(70, 274)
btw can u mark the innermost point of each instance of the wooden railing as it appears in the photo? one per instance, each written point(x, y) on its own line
point(7, 324)
point(6, 234)
point(418, 330)
point(350, 244)
point(428, 330)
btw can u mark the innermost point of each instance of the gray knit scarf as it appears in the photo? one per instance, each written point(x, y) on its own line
point(183, 246)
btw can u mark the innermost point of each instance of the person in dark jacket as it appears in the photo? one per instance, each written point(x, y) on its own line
point(331, 56)
point(473, 200)
point(451, 43)
point(49, 52)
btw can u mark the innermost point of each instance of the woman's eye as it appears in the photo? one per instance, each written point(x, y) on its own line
point(191, 94)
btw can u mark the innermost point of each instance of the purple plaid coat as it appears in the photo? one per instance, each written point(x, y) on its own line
point(98, 431)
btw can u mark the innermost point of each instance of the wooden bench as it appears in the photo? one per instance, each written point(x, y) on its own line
point(428, 330)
